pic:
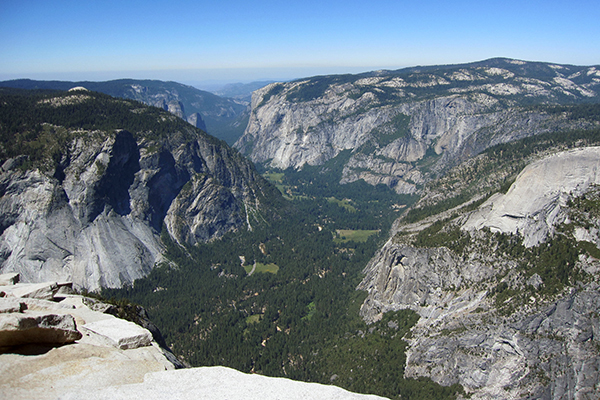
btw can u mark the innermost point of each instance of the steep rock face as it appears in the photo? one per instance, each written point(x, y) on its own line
point(532, 205)
point(416, 278)
point(395, 120)
point(96, 220)
point(196, 120)
point(487, 322)
point(542, 351)
point(549, 353)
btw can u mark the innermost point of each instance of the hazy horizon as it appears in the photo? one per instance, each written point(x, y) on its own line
point(218, 78)
point(209, 43)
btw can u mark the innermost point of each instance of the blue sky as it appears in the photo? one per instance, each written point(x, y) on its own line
point(231, 40)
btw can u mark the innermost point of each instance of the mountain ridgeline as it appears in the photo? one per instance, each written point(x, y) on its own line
point(89, 182)
point(222, 117)
point(405, 127)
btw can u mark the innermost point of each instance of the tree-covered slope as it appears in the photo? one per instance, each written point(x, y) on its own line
point(440, 311)
point(281, 300)
point(221, 117)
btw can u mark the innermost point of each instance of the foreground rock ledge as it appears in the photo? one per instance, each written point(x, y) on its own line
point(217, 383)
point(40, 364)
point(115, 359)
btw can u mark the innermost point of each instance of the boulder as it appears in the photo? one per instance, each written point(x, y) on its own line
point(43, 291)
point(9, 279)
point(11, 305)
point(120, 333)
point(18, 329)
point(64, 289)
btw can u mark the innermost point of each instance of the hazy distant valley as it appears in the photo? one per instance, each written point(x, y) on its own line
point(430, 232)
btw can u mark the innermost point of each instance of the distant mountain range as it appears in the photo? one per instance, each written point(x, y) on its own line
point(486, 286)
point(222, 117)
point(241, 91)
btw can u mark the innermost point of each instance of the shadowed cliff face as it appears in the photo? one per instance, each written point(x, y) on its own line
point(97, 216)
point(163, 187)
point(113, 188)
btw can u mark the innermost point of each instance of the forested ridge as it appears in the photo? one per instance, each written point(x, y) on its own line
point(67, 114)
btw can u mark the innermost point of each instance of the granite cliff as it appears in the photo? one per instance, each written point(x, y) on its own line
point(405, 126)
point(507, 291)
point(89, 184)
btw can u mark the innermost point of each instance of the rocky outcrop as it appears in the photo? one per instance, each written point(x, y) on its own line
point(550, 353)
point(68, 350)
point(461, 338)
point(96, 219)
point(218, 383)
point(529, 343)
point(9, 279)
point(121, 334)
point(196, 120)
point(402, 276)
point(532, 205)
point(50, 348)
point(19, 329)
point(393, 121)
